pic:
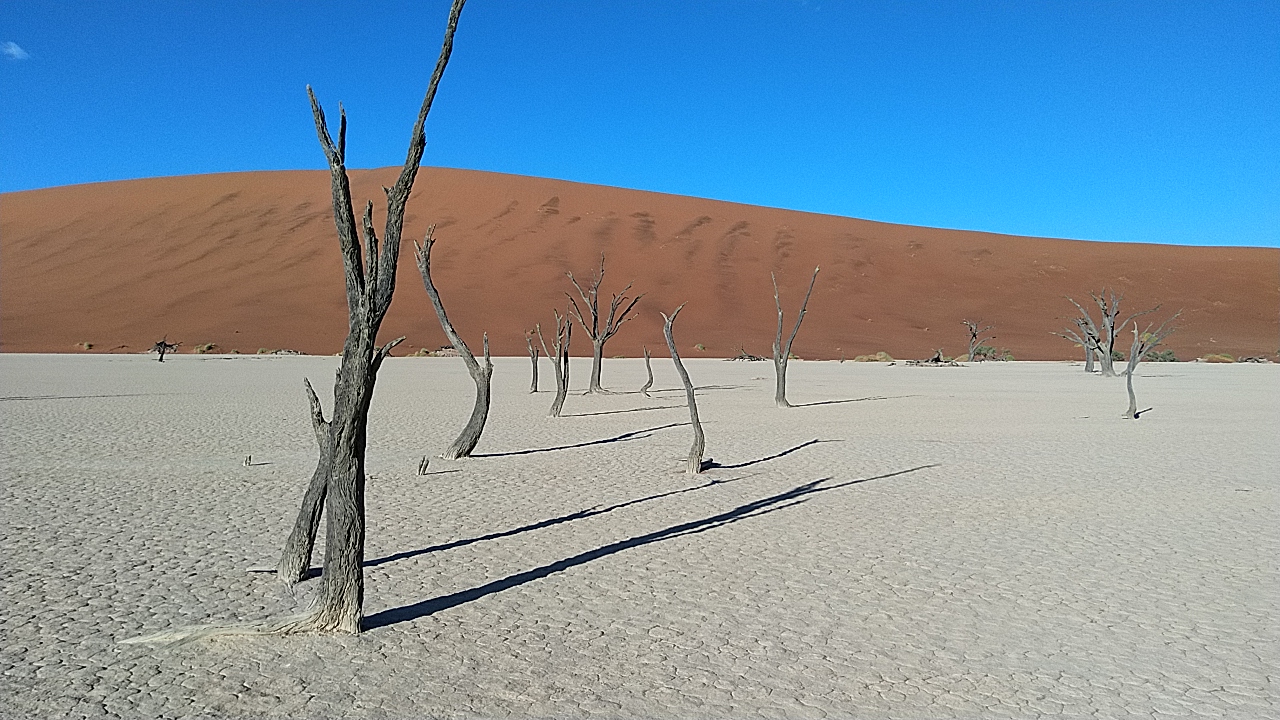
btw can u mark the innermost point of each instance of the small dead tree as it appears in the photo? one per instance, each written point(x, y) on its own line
point(533, 358)
point(694, 464)
point(781, 351)
point(559, 351)
point(164, 346)
point(470, 434)
point(976, 337)
point(600, 335)
point(1086, 336)
point(295, 559)
point(648, 368)
point(1143, 343)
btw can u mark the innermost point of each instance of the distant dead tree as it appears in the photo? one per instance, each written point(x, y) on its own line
point(781, 351)
point(694, 464)
point(295, 559)
point(533, 358)
point(470, 434)
point(976, 337)
point(1085, 335)
point(559, 352)
point(1109, 305)
point(1143, 343)
point(648, 368)
point(164, 346)
point(614, 320)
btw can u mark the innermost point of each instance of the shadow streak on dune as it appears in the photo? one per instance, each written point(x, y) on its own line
point(633, 435)
point(862, 399)
point(581, 514)
point(756, 508)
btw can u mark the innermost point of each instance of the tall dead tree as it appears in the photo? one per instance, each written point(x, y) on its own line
point(648, 368)
point(164, 346)
point(782, 351)
point(1143, 343)
point(370, 283)
point(693, 465)
point(295, 559)
point(600, 335)
point(1109, 305)
point(533, 358)
point(470, 434)
point(976, 337)
point(559, 351)
point(1086, 336)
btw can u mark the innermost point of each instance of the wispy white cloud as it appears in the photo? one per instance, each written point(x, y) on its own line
point(13, 51)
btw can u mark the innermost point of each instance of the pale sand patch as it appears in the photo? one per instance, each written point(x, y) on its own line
point(1015, 550)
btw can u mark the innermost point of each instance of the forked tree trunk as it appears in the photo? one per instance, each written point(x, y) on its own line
point(470, 434)
point(533, 359)
point(1143, 343)
point(295, 559)
point(782, 351)
point(648, 368)
point(693, 465)
point(559, 351)
point(590, 320)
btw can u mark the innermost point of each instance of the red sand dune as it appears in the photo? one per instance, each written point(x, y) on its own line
point(250, 260)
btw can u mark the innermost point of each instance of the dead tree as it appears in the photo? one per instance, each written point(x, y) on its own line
point(560, 352)
point(470, 434)
point(164, 346)
point(1143, 343)
point(1086, 336)
point(295, 559)
point(648, 368)
point(1109, 305)
point(781, 351)
point(370, 282)
point(694, 464)
point(976, 338)
point(533, 358)
point(600, 335)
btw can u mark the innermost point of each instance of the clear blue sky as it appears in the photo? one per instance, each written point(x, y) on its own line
point(1131, 121)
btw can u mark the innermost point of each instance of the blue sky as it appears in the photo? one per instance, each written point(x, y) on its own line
point(1127, 121)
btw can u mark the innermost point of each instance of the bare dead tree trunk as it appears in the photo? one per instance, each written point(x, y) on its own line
point(533, 358)
point(470, 435)
point(1085, 335)
point(614, 320)
point(648, 368)
point(164, 346)
point(560, 351)
point(694, 464)
point(1143, 343)
point(782, 351)
point(1109, 305)
point(295, 559)
point(976, 339)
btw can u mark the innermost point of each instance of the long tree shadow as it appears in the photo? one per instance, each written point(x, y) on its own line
point(712, 464)
point(862, 399)
point(619, 412)
point(633, 435)
point(581, 514)
point(756, 508)
point(81, 397)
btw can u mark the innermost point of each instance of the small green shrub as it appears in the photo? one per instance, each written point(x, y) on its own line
point(1117, 356)
point(1165, 355)
point(1218, 358)
point(206, 348)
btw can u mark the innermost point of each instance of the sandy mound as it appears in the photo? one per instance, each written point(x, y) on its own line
point(249, 261)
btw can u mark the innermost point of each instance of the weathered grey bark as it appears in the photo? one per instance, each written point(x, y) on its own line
point(1109, 305)
point(694, 464)
point(976, 339)
point(781, 351)
point(295, 559)
point(560, 351)
point(164, 347)
point(1085, 335)
point(533, 358)
point(600, 335)
point(1143, 343)
point(470, 434)
point(648, 368)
